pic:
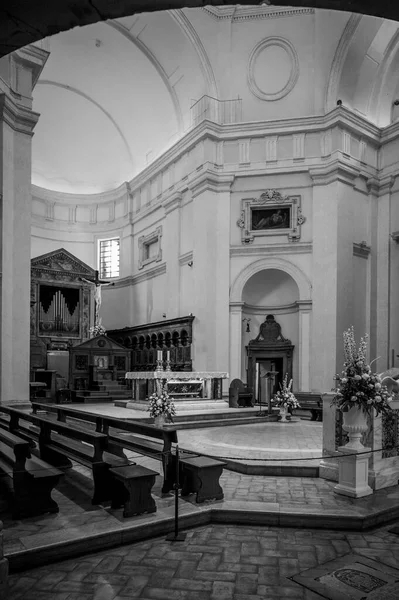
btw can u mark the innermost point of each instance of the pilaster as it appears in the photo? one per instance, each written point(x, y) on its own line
point(17, 122)
point(235, 340)
point(171, 254)
point(211, 269)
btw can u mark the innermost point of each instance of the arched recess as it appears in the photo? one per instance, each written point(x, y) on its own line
point(304, 316)
point(262, 264)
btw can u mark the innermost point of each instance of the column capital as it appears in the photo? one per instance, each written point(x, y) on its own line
point(20, 118)
point(382, 186)
point(337, 170)
point(174, 201)
point(236, 307)
point(304, 305)
point(210, 181)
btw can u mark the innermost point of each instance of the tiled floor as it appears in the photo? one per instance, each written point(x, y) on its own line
point(216, 562)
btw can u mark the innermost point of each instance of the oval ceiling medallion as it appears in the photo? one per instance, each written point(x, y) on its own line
point(273, 69)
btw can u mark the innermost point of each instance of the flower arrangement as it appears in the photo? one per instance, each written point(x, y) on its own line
point(358, 385)
point(284, 397)
point(161, 403)
point(98, 329)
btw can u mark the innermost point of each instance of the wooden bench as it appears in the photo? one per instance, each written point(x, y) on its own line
point(200, 475)
point(59, 443)
point(134, 489)
point(313, 402)
point(240, 395)
point(32, 479)
point(144, 438)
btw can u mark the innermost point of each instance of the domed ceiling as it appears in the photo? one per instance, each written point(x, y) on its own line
point(111, 97)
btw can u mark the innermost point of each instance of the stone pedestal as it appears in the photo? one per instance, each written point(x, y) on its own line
point(353, 473)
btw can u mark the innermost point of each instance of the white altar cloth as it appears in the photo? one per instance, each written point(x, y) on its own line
point(178, 375)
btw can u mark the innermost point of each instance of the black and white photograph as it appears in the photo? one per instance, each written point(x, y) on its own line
point(199, 300)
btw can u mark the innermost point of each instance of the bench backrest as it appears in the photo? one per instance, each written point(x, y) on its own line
point(168, 433)
point(19, 446)
point(46, 424)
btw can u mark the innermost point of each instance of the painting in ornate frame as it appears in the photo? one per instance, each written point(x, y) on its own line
point(269, 215)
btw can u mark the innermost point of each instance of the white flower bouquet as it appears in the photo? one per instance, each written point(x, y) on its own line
point(284, 397)
point(161, 403)
point(358, 385)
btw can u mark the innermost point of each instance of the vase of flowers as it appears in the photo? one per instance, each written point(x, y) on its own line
point(285, 399)
point(358, 390)
point(98, 329)
point(161, 406)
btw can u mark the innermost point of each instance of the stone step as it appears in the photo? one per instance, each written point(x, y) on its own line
point(93, 399)
point(92, 393)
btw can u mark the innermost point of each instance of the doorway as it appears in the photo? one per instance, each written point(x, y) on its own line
point(262, 366)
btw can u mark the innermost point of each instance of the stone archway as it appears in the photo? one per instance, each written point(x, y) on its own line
point(303, 306)
point(22, 23)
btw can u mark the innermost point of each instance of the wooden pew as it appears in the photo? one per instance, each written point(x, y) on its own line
point(198, 474)
point(144, 438)
point(59, 443)
point(32, 479)
point(313, 402)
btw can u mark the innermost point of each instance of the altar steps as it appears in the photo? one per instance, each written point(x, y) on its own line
point(104, 391)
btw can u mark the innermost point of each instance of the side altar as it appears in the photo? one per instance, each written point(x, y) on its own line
point(183, 384)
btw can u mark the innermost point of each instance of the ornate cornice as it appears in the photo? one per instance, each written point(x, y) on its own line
point(382, 186)
point(174, 201)
point(20, 118)
point(244, 13)
point(336, 170)
point(210, 181)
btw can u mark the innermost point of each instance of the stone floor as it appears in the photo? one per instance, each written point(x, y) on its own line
point(215, 562)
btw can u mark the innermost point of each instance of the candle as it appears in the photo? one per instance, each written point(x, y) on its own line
point(168, 355)
point(159, 354)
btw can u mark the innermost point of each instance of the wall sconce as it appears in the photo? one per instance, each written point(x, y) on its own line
point(247, 321)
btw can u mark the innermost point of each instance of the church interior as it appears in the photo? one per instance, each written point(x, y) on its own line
point(197, 202)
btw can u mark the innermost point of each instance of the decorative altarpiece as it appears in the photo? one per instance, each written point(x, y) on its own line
point(59, 304)
point(269, 215)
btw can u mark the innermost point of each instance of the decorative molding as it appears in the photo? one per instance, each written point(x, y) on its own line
point(20, 118)
point(326, 143)
point(271, 262)
point(294, 218)
point(144, 242)
point(33, 58)
point(272, 249)
point(346, 142)
point(214, 182)
point(243, 147)
point(362, 250)
point(337, 170)
point(339, 61)
point(189, 31)
point(244, 13)
point(172, 203)
point(294, 307)
point(184, 259)
point(298, 146)
point(294, 73)
point(271, 148)
point(147, 274)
